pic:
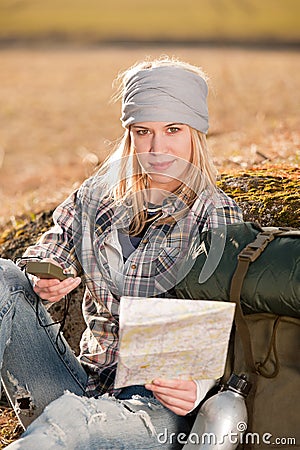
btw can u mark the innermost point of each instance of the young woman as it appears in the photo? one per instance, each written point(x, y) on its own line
point(132, 229)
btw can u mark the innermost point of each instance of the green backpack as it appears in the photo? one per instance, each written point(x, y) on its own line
point(271, 284)
point(265, 340)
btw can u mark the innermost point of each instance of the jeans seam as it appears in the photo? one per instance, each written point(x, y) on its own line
point(6, 309)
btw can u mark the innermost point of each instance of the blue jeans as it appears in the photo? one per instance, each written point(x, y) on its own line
point(45, 383)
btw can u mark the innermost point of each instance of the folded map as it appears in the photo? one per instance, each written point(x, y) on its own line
point(172, 339)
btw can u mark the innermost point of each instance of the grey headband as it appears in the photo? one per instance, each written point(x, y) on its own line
point(166, 94)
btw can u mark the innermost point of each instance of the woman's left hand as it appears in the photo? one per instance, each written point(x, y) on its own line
point(177, 395)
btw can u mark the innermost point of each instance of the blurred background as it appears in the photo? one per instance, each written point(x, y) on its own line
point(58, 60)
point(98, 21)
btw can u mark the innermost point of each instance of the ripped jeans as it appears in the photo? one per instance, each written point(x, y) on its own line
point(46, 387)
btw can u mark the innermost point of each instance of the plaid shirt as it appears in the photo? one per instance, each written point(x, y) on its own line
point(84, 239)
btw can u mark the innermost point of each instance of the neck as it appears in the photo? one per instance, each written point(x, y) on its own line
point(156, 196)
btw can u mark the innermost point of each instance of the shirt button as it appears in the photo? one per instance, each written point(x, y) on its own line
point(133, 266)
point(145, 241)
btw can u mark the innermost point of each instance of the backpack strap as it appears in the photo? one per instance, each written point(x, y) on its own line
point(248, 255)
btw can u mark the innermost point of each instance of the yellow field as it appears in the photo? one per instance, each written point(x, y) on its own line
point(99, 20)
point(56, 119)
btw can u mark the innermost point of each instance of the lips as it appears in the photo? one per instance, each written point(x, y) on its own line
point(161, 166)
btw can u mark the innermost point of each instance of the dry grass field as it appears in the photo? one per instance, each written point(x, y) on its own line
point(57, 120)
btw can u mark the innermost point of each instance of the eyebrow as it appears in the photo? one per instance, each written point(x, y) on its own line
point(166, 126)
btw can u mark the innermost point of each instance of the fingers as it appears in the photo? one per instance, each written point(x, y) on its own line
point(176, 388)
point(178, 406)
point(54, 290)
point(177, 395)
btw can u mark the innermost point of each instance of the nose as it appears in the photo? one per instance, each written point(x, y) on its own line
point(158, 144)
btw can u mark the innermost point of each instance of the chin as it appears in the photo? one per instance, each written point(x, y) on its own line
point(164, 182)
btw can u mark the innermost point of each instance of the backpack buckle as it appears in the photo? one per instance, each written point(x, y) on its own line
point(253, 250)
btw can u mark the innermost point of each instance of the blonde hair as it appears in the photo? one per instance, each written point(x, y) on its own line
point(129, 182)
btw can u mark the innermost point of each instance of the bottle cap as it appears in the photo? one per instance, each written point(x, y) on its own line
point(239, 384)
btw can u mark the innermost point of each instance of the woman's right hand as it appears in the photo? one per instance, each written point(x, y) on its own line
point(54, 290)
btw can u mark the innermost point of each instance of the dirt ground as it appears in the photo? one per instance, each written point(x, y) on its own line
point(57, 121)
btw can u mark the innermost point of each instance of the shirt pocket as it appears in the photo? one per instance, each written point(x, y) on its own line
point(164, 260)
point(167, 259)
point(168, 263)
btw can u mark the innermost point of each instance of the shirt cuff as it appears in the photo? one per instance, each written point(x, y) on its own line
point(203, 386)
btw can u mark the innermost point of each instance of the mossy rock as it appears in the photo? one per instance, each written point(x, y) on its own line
point(269, 196)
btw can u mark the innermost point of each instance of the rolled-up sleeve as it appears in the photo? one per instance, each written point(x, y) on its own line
point(57, 243)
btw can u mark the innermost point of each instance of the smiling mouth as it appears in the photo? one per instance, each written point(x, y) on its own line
point(161, 166)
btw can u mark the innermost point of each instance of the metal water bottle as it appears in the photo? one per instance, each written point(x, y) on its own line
point(222, 419)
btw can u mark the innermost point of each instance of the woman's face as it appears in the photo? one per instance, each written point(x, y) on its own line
point(164, 151)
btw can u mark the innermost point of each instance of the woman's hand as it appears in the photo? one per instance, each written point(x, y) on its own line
point(177, 395)
point(54, 290)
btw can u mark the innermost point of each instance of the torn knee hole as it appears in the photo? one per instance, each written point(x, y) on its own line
point(24, 404)
point(23, 400)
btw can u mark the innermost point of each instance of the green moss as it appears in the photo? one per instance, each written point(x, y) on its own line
point(269, 196)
